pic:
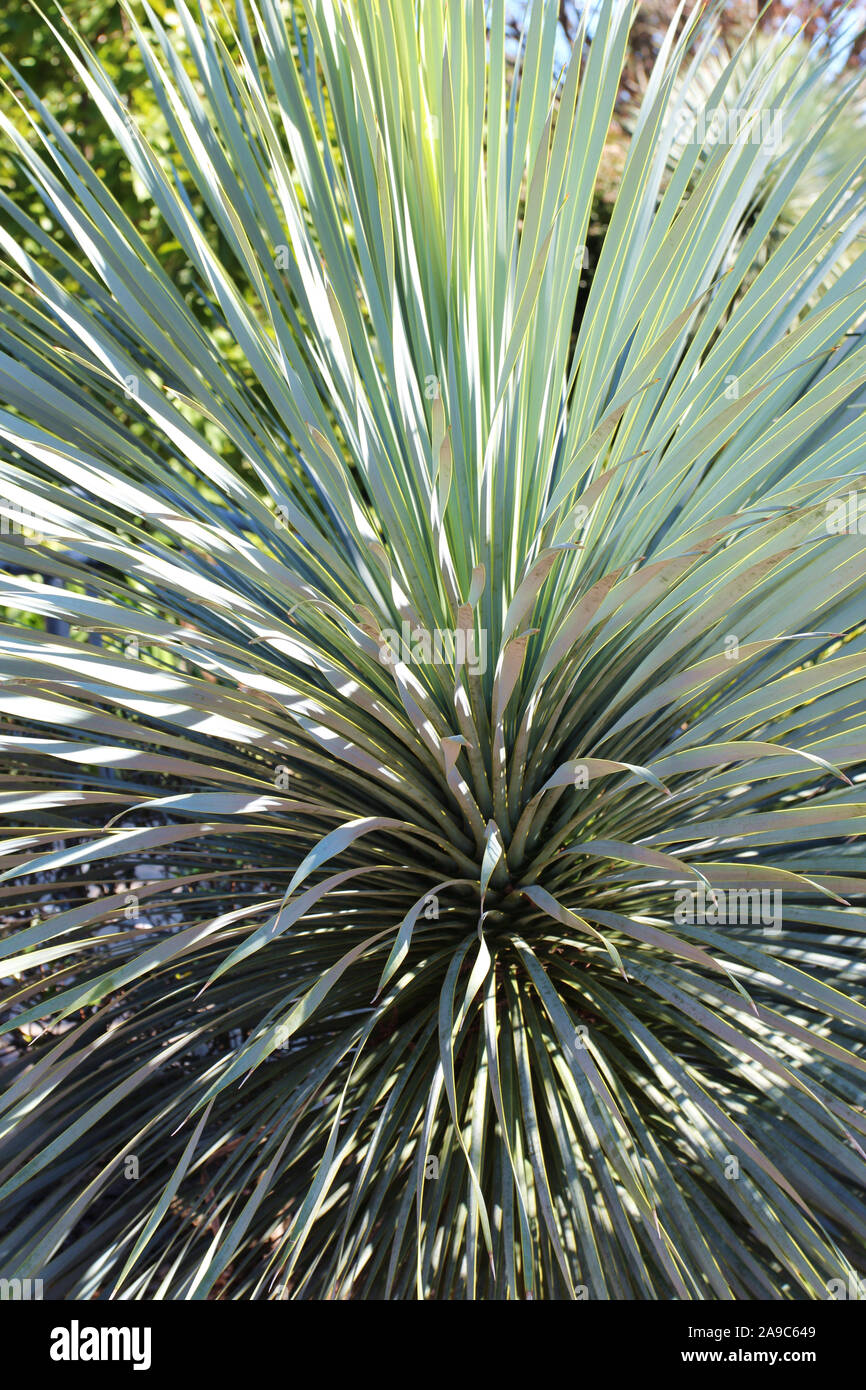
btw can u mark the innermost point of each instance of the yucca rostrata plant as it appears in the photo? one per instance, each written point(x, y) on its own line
point(712, 96)
point(390, 683)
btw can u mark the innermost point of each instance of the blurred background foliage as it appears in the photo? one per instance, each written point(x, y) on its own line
point(30, 44)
